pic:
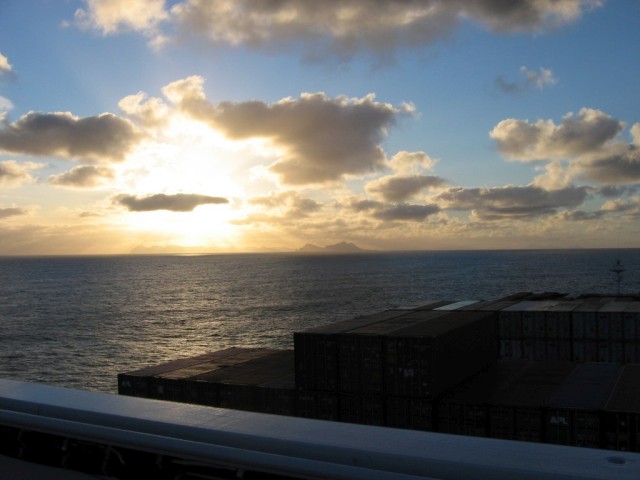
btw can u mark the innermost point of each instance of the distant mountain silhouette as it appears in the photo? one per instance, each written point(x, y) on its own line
point(342, 247)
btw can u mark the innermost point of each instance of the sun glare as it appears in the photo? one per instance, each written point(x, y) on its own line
point(189, 158)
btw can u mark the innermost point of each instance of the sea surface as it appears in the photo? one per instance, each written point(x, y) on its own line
point(79, 321)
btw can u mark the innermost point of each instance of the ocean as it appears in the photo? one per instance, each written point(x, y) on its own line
point(79, 321)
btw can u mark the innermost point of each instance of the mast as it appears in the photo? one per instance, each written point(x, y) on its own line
point(618, 269)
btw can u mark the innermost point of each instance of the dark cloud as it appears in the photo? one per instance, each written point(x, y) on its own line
point(389, 212)
point(180, 202)
point(581, 134)
point(620, 166)
point(511, 202)
point(405, 212)
point(83, 176)
point(290, 204)
point(344, 27)
point(102, 137)
point(365, 205)
point(12, 212)
point(612, 191)
point(582, 216)
point(399, 188)
point(323, 139)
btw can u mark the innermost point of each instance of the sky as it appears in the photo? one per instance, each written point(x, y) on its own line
point(149, 126)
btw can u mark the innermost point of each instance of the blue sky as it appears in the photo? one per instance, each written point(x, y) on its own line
point(216, 126)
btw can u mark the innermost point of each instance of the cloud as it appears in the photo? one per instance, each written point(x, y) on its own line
point(150, 112)
point(14, 174)
point(512, 201)
point(612, 191)
point(83, 176)
point(397, 188)
point(180, 202)
point(12, 212)
point(531, 79)
point(581, 215)
point(635, 134)
point(101, 137)
point(405, 212)
point(411, 162)
point(618, 166)
point(289, 204)
point(322, 139)
point(629, 207)
point(391, 213)
point(555, 177)
point(113, 16)
point(333, 27)
point(5, 66)
point(585, 133)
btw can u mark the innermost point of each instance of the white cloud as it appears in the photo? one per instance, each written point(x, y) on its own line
point(149, 112)
point(635, 134)
point(411, 162)
point(589, 143)
point(555, 177)
point(5, 66)
point(14, 174)
point(113, 16)
point(587, 132)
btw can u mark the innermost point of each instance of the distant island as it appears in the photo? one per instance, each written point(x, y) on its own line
point(342, 247)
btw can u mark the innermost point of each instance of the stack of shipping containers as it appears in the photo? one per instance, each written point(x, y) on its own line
point(573, 416)
point(621, 415)
point(514, 368)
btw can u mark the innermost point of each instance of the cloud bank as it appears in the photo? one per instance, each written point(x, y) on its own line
point(339, 27)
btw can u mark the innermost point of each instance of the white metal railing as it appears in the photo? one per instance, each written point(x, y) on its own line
point(300, 448)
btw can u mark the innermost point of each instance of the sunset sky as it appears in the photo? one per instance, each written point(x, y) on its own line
point(247, 125)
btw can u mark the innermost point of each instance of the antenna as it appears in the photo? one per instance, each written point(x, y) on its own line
point(618, 269)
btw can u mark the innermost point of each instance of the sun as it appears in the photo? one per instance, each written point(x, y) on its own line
point(188, 157)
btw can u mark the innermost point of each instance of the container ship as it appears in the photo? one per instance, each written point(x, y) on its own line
point(543, 367)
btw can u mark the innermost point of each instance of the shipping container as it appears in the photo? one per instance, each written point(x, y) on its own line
point(426, 305)
point(360, 367)
point(516, 409)
point(558, 319)
point(410, 413)
point(316, 350)
point(631, 333)
point(428, 358)
point(364, 409)
point(573, 416)
point(464, 409)
point(622, 412)
point(318, 405)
